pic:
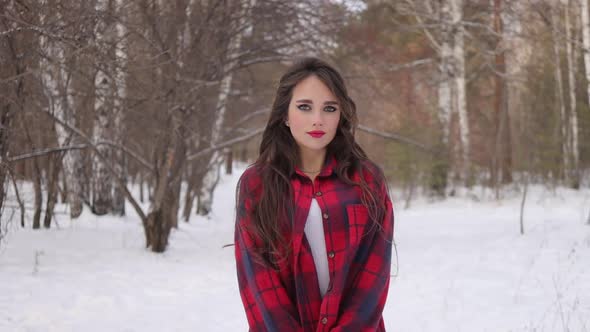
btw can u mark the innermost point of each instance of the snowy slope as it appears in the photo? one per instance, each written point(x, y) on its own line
point(461, 266)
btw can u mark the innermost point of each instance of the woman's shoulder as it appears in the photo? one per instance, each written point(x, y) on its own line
point(252, 171)
point(372, 172)
point(251, 178)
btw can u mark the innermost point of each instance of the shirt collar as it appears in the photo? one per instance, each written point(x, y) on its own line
point(327, 170)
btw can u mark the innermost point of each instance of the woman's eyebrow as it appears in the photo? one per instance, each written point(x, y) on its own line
point(309, 101)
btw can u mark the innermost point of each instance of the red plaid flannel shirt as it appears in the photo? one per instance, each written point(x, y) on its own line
point(359, 258)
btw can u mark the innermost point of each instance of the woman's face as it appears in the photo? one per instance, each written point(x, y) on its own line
point(314, 113)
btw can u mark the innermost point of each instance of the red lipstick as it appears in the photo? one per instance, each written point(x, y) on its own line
point(316, 133)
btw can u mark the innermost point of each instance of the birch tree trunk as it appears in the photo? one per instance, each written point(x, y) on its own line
point(443, 44)
point(170, 152)
point(559, 92)
point(119, 108)
point(501, 158)
point(11, 90)
point(58, 89)
point(103, 107)
point(459, 84)
point(586, 50)
point(573, 118)
point(211, 178)
point(164, 207)
point(37, 174)
point(53, 169)
point(38, 194)
point(441, 168)
point(445, 106)
point(586, 44)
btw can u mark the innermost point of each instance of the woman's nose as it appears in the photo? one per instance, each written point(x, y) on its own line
point(318, 118)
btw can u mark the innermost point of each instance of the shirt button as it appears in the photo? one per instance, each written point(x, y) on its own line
point(325, 216)
point(331, 254)
point(325, 320)
point(319, 193)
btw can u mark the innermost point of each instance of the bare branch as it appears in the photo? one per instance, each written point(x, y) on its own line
point(397, 138)
point(225, 144)
point(396, 67)
point(248, 117)
point(433, 41)
point(46, 152)
point(40, 153)
point(128, 151)
point(108, 165)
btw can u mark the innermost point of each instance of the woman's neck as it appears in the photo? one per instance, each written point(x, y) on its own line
point(312, 161)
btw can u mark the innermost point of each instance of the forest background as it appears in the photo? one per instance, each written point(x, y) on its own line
point(98, 96)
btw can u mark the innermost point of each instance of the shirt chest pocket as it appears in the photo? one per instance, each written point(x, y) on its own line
point(358, 217)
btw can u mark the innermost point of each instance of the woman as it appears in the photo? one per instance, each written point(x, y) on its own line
point(314, 224)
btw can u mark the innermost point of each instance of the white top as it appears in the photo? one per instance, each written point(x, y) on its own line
point(314, 232)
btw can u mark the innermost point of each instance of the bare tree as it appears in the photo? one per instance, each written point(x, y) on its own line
point(58, 86)
point(442, 23)
point(209, 181)
point(501, 158)
point(120, 80)
point(571, 37)
point(12, 80)
point(104, 105)
point(458, 36)
point(560, 88)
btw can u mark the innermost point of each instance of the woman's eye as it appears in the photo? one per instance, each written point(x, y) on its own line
point(303, 107)
point(330, 109)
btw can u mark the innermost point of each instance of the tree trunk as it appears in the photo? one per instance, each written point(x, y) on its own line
point(119, 109)
point(102, 180)
point(522, 202)
point(586, 44)
point(12, 94)
point(52, 183)
point(189, 199)
point(573, 117)
point(118, 194)
point(442, 164)
point(228, 161)
point(59, 92)
point(501, 157)
point(211, 178)
point(19, 200)
point(5, 120)
point(38, 195)
point(37, 174)
point(559, 92)
point(102, 200)
point(445, 106)
point(6, 114)
point(189, 196)
point(164, 208)
point(141, 185)
point(158, 230)
point(459, 84)
point(209, 182)
point(173, 205)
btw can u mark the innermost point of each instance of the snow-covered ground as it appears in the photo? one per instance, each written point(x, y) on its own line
point(461, 265)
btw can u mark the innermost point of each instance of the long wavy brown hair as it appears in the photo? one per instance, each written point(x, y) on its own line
point(279, 155)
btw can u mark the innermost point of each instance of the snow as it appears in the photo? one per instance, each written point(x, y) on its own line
point(460, 265)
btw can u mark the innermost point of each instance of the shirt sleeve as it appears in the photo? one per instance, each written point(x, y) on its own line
point(362, 305)
point(266, 302)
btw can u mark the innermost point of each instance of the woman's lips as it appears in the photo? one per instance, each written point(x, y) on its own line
point(316, 134)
